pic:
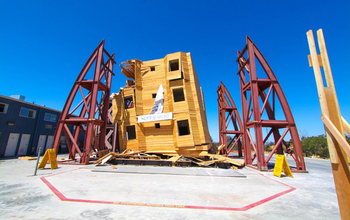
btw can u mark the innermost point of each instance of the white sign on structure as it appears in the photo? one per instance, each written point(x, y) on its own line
point(155, 117)
point(158, 103)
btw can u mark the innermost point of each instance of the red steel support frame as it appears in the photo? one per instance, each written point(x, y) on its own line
point(92, 119)
point(253, 91)
point(111, 131)
point(228, 113)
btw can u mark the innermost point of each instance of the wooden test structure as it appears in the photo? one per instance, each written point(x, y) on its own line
point(339, 149)
point(183, 130)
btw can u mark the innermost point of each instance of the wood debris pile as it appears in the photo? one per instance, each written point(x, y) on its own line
point(142, 158)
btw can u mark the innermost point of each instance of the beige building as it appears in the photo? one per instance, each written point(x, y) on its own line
point(181, 127)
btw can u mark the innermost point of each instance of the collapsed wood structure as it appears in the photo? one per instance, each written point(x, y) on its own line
point(161, 108)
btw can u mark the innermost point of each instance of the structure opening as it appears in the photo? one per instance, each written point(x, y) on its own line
point(183, 127)
point(128, 102)
point(178, 95)
point(130, 132)
point(173, 65)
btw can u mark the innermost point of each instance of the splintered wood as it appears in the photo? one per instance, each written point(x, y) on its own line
point(175, 159)
point(205, 160)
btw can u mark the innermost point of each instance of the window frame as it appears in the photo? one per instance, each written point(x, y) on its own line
point(172, 62)
point(30, 111)
point(51, 117)
point(128, 132)
point(132, 102)
point(177, 97)
point(5, 108)
point(180, 131)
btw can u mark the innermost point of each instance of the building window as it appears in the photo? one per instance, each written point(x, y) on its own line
point(50, 117)
point(174, 65)
point(3, 107)
point(29, 113)
point(183, 127)
point(154, 95)
point(47, 126)
point(128, 103)
point(157, 125)
point(130, 132)
point(178, 95)
point(153, 68)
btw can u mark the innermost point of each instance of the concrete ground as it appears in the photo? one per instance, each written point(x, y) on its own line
point(133, 192)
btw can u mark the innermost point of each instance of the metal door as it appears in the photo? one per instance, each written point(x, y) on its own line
point(41, 143)
point(23, 145)
point(49, 142)
point(11, 145)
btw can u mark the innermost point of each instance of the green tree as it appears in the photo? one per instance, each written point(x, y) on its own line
point(268, 144)
point(315, 145)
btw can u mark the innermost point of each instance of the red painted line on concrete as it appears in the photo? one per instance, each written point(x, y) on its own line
point(213, 208)
point(177, 206)
point(148, 204)
point(245, 208)
point(89, 201)
point(53, 189)
point(68, 171)
point(285, 184)
point(271, 178)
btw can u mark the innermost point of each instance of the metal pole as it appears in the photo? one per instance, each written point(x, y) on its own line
point(37, 161)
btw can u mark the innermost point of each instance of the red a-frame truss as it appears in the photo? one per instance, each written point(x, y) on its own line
point(111, 132)
point(92, 119)
point(259, 100)
point(228, 115)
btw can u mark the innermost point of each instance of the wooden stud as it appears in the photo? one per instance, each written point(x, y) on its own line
point(338, 147)
point(336, 134)
point(320, 89)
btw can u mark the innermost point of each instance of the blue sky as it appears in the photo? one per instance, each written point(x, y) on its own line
point(45, 44)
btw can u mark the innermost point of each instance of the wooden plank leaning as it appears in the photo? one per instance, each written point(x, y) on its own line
point(337, 145)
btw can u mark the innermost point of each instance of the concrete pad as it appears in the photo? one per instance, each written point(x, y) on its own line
point(75, 192)
point(185, 171)
point(166, 190)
